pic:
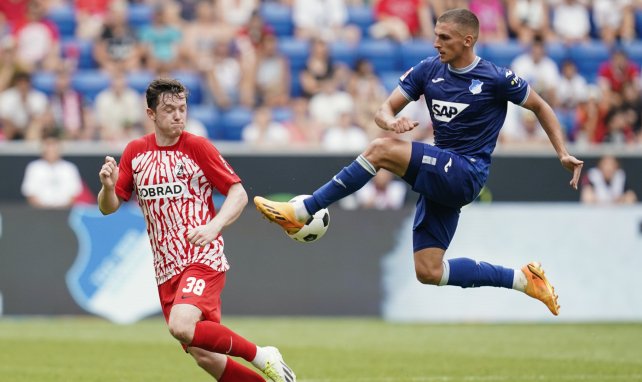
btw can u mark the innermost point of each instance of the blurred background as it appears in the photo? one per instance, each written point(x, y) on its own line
point(287, 92)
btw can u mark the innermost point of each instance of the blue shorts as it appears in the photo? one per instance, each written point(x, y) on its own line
point(445, 182)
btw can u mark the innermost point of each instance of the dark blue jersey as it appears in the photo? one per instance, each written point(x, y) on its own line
point(467, 106)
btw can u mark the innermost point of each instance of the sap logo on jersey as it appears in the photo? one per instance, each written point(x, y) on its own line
point(445, 111)
point(157, 191)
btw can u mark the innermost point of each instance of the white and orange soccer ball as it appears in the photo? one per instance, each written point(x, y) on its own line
point(315, 227)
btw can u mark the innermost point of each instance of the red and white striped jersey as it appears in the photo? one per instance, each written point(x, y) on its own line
point(174, 187)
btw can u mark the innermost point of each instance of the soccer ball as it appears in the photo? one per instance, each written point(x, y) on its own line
point(315, 227)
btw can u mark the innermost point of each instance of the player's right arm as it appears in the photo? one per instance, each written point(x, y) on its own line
point(108, 201)
point(386, 114)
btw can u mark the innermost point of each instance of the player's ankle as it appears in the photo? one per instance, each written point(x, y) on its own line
point(300, 212)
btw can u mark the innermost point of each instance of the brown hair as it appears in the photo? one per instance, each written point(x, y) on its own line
point(161, 86)
point(462, 17)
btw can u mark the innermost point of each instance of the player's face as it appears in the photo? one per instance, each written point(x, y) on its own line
point(450, 42)
point(170, 115)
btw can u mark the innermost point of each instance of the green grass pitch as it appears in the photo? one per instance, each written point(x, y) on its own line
point(326, 350)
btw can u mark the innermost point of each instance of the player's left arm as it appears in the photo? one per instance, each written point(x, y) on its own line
point(231, 209)
point(551, 125)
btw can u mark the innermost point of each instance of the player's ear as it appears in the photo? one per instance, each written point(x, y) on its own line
point(151, 114)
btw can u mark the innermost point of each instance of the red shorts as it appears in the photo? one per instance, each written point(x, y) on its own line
point(197, 285)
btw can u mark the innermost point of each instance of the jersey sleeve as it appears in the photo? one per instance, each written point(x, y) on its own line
point(125, 183)
point(411, 83)
point(512, 87)
point(215, 167)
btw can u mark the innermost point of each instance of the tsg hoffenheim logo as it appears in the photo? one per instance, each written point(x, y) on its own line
point(475, 86)
point(113, 275)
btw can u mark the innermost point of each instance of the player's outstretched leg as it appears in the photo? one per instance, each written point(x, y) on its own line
point(281, 213)
point(270, 361)
point(538, 287)
point(291, 217)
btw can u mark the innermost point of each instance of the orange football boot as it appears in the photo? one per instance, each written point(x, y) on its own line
point(538, 286)
point(281, 213)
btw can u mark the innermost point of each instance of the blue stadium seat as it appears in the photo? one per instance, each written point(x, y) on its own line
point(279, 17)
point(65, 19)
point(82, 50)
point(89, 83)
point(383, 54)
point(139, 15)
point(233, 121)
point(295, 84)
point(361, 16)
point(390, 80)
point(44, 81)
point(282, 114)
point(412, 52)
point(502, 54)
point(193, 82)
point(296, 51)
point(557, 52)
point(638, 22)
point(342, 52)
point(209, 117)
point(634, 50)
point(588, 57)
point(140, 80)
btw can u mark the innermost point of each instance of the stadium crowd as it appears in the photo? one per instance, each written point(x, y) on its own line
point(303, 72)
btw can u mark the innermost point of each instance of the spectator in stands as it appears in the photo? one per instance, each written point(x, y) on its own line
point(383, 192)
point(14, 11)
point(202, 34)
point(22, 109)
point(37, 39)
point(441, 6)
point(271, 74)
point(304, 130)
point(51, 182)
point(67, 113)
point(330, 103)
point(614, 19)
point(577, 30)
point(539, 70)
point(264, 131)
point(524, 130)
point(8, 62)
point(227, 82)
point(632, 106)
point(344, 135)
point(492, 20)
point(618, 127)
point(591, 117)
point(160, 42)
point(236, 13)
point(529, 18)
point(368, 93)
point(249, 38)
point(318, 67)
point(118, 111)
point(325, 19)
point(402, 20)
point(617, 71)
point(117, 47)
point(606, 184)
point(90, 17)
point(569, 92)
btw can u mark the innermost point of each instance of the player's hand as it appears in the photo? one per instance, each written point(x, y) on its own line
point(202, 235)
point(402, 125)
point(109, 172)
point(573, 165)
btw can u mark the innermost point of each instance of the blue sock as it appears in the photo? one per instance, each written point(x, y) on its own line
point(467, 273)
point(347, 181)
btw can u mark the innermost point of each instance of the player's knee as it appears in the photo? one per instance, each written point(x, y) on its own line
point(181, 329)
point(428, 275)
point(376, 153)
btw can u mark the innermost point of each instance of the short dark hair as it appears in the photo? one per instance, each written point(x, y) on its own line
point(160, 86)
point(463, 17)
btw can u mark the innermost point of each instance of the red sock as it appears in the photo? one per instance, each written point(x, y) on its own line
point(235, 372)
point(217, 338)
